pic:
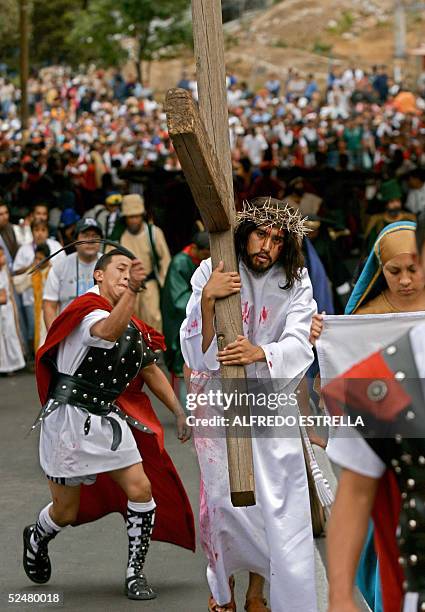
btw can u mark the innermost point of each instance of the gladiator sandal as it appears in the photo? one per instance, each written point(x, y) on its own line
point(139, 528)
point(213, 606)
point(37, 564)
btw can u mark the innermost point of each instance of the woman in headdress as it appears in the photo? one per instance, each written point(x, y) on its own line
point(391, 281)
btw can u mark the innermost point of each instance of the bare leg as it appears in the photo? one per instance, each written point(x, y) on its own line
point(256, 586)
point(66, 502)
point(134, 482)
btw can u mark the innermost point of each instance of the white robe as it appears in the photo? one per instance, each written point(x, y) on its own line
point(273, 538)
point(11, 355)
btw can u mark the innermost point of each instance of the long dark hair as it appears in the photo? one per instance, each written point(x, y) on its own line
point(291, 257)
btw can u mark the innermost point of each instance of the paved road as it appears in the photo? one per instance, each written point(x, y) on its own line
point(89, 561)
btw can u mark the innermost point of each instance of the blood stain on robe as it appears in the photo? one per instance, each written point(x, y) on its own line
point(264, 313)
point(246, 311)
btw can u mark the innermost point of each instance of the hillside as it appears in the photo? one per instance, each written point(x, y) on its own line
point(305, 34)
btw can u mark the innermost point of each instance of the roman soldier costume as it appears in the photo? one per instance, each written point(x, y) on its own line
point(95, 419)
point(386, 391)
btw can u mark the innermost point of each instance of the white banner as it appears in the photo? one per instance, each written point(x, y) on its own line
point(347, 339)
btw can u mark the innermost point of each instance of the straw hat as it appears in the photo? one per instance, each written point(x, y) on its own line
point(132, 204)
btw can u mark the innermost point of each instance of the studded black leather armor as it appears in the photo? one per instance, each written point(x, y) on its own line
point(101, 377)
point(400, 443)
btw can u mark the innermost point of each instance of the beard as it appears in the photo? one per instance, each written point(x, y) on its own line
point(256, 266)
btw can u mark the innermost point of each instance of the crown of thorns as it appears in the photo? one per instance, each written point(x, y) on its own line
point(274, 214)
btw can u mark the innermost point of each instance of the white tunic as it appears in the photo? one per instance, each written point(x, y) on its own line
point(273, 538)
point(11, 355)
point(64, 449)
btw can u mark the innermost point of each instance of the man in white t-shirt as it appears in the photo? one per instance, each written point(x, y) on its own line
point(72, 276)
point(387, 391)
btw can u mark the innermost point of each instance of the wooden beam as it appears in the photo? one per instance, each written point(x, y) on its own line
point(197, 158)
point(202, 144)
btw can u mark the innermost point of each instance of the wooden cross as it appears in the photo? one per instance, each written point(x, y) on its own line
point(201, 140)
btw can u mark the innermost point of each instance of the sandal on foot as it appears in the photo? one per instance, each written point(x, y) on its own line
point(256, 604)
point(137, 587)
point(213, 606)
point(36, 564)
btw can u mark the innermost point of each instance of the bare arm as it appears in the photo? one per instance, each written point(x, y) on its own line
point(158, 383)
point(50, 311)
point(346, 535)
point(113, 326)
point(3, 297)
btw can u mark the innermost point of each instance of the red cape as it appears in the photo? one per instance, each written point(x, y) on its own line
point(174, 521)
point(387, 505)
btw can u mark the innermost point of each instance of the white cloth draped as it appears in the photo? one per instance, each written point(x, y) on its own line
point(11, 355)
point(274, 537)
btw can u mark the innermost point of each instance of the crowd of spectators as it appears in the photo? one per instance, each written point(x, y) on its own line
point(349, 153)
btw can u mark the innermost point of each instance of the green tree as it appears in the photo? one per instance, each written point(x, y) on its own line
point(111, 31)
point(51, 21)
point(9, 31)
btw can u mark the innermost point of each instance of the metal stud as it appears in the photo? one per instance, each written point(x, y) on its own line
point(122, 359)
point(114, 380)
point(401, 561)
point(101, 385)
point(413, 559)
point(410, 415)
point(95, 400)
point(398, 438)
point(412, 524)
point(126, 375)
point(104, 353)
point(63, 386)
point(422, 606)
point(134, 352)
point(117, 343)
point(74, 391)
point(404, 495)
point(90, 359)
point(397, 470)
point(85, 395)
point(137, 364)
point(411, 483)
point(406, 458)
point(102, 403)
point(421, 460)
point(394, 462)
point(79, 375)
point(399, 376)
point(128, 337)
point(391, 350)
point(109, 367)
point(96, 371)
point(412, 503)
point(128, 384)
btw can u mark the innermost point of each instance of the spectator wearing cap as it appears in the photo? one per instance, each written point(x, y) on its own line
point(107, 214)
point(148, 244)
point(72, 276)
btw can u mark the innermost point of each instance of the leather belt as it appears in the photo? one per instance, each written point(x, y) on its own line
point(75, 391)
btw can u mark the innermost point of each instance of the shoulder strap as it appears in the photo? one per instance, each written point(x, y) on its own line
point(155, 256)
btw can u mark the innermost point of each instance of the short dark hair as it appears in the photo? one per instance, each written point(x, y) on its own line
point(39, 223)
point(104, 261)
point(43, 249)
point(202, 240)
point(420, 232)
